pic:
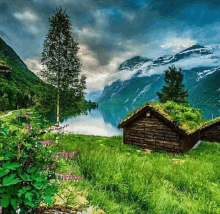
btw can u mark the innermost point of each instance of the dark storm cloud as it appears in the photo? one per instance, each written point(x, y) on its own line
point(109, 29)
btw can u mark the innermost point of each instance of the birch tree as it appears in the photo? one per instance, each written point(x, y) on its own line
point(61, 65)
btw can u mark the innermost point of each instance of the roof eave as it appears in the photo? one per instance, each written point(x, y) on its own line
point(176, 128)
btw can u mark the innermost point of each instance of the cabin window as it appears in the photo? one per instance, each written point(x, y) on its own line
point(148, 114)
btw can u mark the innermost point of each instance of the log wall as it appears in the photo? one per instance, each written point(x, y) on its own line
point(187, 142)
point(211, 133)
point(152, 133)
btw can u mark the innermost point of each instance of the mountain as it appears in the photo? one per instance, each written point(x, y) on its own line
point(200, 66)
point(133, 63)
point(21, 88)
point(93, 96)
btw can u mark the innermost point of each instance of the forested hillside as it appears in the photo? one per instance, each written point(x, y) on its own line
point(20, 89)
point(23, 88)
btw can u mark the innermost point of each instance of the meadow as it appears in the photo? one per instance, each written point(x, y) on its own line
point(123, 179)
point(119, 178)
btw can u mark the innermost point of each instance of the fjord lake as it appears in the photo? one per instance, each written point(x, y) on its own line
point(104, 120)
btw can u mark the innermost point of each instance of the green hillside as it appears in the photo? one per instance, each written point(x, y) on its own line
point(20, 89)
point(23, 88)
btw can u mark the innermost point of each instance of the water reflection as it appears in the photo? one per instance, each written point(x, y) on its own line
point(91, 124)
point(104, 120)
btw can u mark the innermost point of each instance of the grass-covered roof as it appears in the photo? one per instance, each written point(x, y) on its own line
point(209, 123)
point(185, 118)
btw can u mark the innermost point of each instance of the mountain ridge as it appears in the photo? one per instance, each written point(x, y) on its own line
point(147, 80)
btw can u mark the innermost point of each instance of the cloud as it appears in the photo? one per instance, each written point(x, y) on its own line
point(87, 32)
point(100, 17)
point(27, 16)
point(34, 65)
point(176, 44)
point(186, 64)
point(96, 81)
point(29, 19)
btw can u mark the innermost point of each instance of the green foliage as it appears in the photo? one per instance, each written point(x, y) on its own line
point(23, 179)
point(126, 180)
point(61, 64)
point(186, 117)
point(20, 89)
point(174, 89)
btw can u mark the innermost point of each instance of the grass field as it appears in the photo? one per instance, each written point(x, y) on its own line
point(122, 179)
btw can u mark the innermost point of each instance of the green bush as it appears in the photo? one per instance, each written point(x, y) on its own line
point(24, 170)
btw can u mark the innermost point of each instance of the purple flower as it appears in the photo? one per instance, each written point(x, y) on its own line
point(53, 165)
point(72, 154)
point(77, 178)
point(27, 127)
point(63, 152)
point(66, 177)
point(71, 170)
point(46, 142)
point(55, 156)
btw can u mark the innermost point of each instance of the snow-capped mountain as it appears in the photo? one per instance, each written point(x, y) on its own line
point(133, 63)
point(200, 66)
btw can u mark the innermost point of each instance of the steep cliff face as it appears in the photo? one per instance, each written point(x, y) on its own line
point(200, 66)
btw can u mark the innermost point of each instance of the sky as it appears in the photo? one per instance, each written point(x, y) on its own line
point(110, 32)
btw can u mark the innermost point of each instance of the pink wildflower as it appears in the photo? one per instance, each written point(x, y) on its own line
point(57, 175)
point(27, 127)
point(46, 142)
point(53, 165)
point(72, 154)
point(66, 156)
point(55, 156)
point(63, 152)
point(26, 116)
point(77, 178)
point(71, 170)
point(0, 208)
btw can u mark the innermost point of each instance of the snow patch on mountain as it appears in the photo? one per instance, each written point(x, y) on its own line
point(185, 64)
point(137, 90)
point(196, 50)
point(112, 94)
point(126, 101)
point(146, 88)
point(203, 74)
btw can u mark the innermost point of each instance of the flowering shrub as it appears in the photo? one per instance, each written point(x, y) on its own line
point(24, 180)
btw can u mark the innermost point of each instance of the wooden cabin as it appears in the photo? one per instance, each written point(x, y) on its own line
point(5, 70)
point(211, 132)
point(152, 130)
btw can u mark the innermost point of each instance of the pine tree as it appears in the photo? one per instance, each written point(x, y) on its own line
point(173, 89)
point(59, 57)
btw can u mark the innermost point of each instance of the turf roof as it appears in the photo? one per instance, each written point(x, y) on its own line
point(209, 123)
point(180, 124)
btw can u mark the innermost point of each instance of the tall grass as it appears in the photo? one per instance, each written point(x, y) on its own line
point(122, 179)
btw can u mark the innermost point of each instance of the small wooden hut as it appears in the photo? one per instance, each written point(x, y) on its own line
point(211, 131)
point(150, 129)
point(5, 70)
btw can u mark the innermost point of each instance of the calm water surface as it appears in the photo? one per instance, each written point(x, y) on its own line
point(91, 124)
point(104, 120)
